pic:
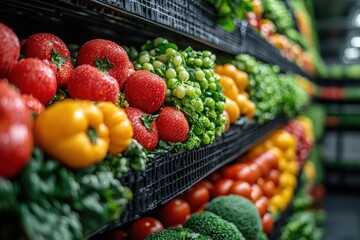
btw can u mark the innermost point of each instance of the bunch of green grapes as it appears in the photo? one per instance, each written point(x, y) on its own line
point(192, 86)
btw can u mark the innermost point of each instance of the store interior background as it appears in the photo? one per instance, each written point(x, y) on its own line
point(338, 29)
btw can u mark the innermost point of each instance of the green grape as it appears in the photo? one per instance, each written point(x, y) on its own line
point(171, 83)
point(170, 52)
point(199, 75)
point(184, 75)
point(148, 67)
point(171, 73)
point(177, 60)
point(198, 62)
point(158, 64)
point(144, 58)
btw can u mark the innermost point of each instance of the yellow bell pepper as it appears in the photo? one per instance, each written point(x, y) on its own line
point(73, 132)
point(230, 89)
point(120, 129)
point(232, 109)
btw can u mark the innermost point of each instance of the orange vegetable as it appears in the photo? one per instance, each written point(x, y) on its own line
point(229, 86)
point(232, 109)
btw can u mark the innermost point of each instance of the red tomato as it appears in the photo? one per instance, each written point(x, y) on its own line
point(200, 209)
point(256, 171)
point(256, 192)
point(144, 227)
point(262, 165)
point(269, 189)
point(176, 211)
point(261, 183)
point(233, 170)
point(214, 177)
point(114, 235)
point(272, 159)
point(262, 205)
point(268, 223)
point(222, 187)
point(206, 184)
point(248, 174)
point(197, 196)
point(241, 188)
point(274, 176)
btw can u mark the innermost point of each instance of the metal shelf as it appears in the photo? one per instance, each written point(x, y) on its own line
point(186, 22)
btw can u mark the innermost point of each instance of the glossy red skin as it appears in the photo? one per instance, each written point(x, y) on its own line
point(241, 188)
point(33, 104)
point(256, 192)
point(16, 139)
point(144, 227)
point(262, 205)
point(233, 170)
point(197, 196)
point(147, 138)
point(88, 83)
point(174, 212)
point(268, 223)
point(173, 125)
point(269, 189)
point(9, 50)
point(145, 90)
point(33, 77)
point(40, 46)
point(115, 54)
point(222, 187)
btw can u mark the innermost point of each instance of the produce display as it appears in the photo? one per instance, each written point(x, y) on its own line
point(306, 217)
point(191, 87)
point(339, 93)
point(273, 93)
point(273, 20)
point(249, 195)
point(76, 120)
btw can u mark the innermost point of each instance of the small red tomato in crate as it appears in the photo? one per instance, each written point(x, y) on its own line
point(16, 139)
point(222, 187)
point(144, 128)
point(174, 212)
point(88, 83)
point(173, 125)
point(144, 227)
point(9, 50)
point(33, 77)
point(54, 52)
point(197, 196)
point(145, 90)
point(241, 188)
point(106, 56)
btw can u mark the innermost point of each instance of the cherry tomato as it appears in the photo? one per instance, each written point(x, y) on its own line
point(262, 165)
point(214, 177)
point(222, 187)
point(248, 174)
point(206, 184)
point(196, 196)
point(144, 227)
point(233, 170)
point(256, 171)
point(241, 188)
point(176, 211)
point(274, 176)
point(200, 209)
point(114, 235)
point(261, 183)
point(269, 189)
point(268, 223)
point(262, 205)
point(256, 192)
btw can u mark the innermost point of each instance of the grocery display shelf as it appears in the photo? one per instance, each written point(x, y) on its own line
point(170, 175)
point(336, 101)
point(281, 221)
point(337, 82)
point(186, 22)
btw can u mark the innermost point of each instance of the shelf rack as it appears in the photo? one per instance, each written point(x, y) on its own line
point(187, 22)
point(170, 175)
